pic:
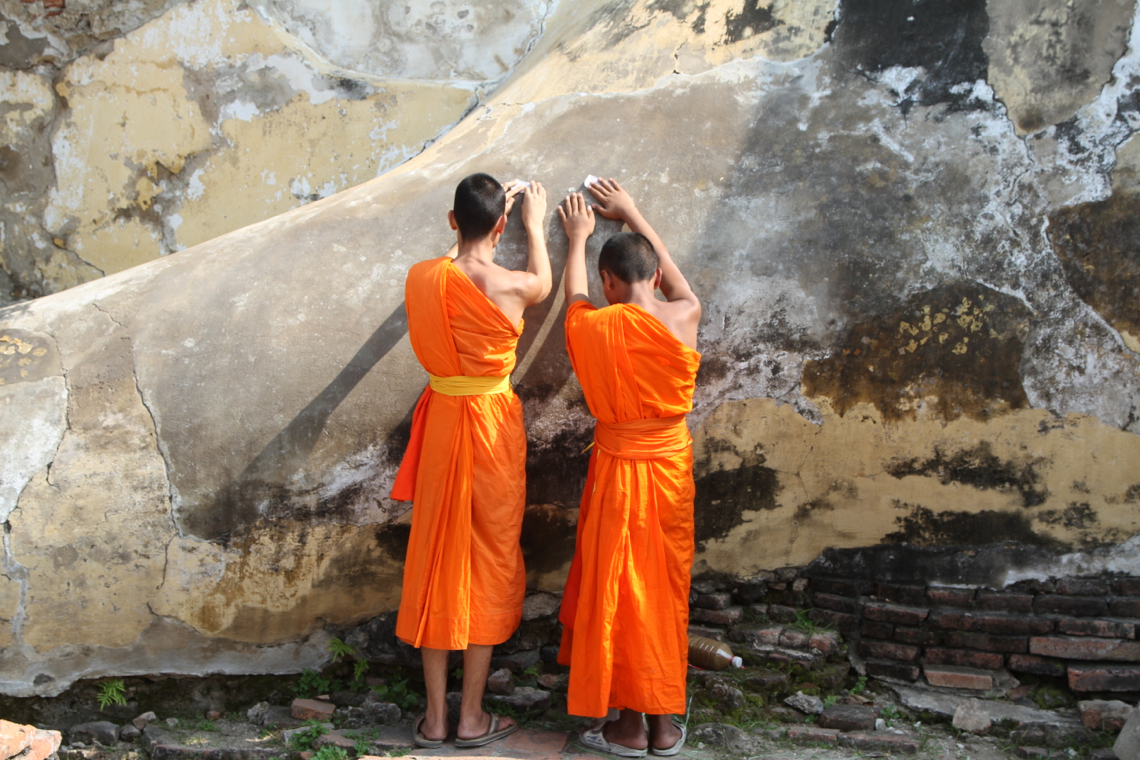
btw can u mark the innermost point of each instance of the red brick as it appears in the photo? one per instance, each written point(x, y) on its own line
point(837, 603)
point(896, 670)
point(1109, 629)
point(838, 620)
point(1059, 604)
point(15, 738)
point(757, 635)
point(959, 678)
point(990, 622)
point(948, 596)
point(793, 639)
point(920, 636)
point(888, 650)
point(965, 658)
point(716, 634)
point(1104, 677)
point(876, 630)
point(312, 709)
point(879, 741)
point(824, 642)
point(1082, 587)
point(1006, 602)
point(781, 613)
point(1126, 606)
point(1027, 663)
point(987, 643)
point(891, 592)
point(717, 617)
point(812, 735)
point(1102, 715)
point(894, 613)
point(1126, 586)
point(848, 717)
point(716, 601)
point(1085, 648)
point(837, 586)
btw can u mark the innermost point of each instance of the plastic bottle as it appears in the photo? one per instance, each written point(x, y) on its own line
point(711, 655)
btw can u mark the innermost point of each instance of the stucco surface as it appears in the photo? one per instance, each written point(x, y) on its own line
point(909, 333)
point(201, 120)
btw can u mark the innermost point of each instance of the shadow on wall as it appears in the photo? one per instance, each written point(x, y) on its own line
point(261, 491)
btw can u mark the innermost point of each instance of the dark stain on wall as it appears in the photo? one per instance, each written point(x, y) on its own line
point(724, 495)
point(957, 347)
point(1099, 248)
point(392, 539)
point(548, 538)
point(18, 51)
point(556, 470)
point(806, 510)
point(752, 19)
point(842, 488)
point(988, 564)
point(925, 527)
point(978, 467)
point(1076, 516)
point(944, 38)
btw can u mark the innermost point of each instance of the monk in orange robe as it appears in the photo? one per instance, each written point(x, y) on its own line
point(464, 469)
point(625, 611)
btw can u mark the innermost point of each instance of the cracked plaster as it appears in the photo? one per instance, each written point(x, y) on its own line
point(811, 194)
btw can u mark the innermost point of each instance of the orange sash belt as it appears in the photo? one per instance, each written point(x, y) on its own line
point(643, 439)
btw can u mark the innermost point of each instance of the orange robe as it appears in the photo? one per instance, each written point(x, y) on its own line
point(464, 470)
point(625, 611)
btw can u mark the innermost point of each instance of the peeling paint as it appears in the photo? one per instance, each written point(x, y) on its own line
point(838, 186)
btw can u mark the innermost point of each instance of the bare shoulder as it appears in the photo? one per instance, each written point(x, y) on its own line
point(684, 310)
point(681, 318)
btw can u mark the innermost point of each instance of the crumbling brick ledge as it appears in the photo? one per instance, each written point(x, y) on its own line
point(944, 617)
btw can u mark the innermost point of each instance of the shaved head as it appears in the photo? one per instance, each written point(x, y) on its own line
point(479, 202)
point(629, 256)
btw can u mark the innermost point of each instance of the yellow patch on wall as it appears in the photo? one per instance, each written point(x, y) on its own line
point(280, 582)
point(857, 481)
point(311, 149)
point(115, 245)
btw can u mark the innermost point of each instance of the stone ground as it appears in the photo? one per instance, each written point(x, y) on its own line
point(233, 740)
point(540, 744)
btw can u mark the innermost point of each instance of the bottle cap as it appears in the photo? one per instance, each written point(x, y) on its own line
point(737, 662)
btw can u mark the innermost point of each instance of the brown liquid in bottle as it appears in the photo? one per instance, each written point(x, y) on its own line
point(711, 655)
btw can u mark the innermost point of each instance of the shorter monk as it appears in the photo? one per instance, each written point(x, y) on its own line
point(625, 612)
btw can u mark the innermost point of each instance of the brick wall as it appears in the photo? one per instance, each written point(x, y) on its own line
point(967, 636)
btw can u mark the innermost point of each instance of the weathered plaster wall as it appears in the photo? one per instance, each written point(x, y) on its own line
point(132, 141)
point(919, 322)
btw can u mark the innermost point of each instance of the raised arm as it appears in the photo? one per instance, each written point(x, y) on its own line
point(538, 260)
point(615, 203)
point(578, 220)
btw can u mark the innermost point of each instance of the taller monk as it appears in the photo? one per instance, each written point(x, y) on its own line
point(465, 467)
point(625, 611)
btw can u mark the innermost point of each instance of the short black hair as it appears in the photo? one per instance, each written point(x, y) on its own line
point(479, 202)
point(629, 256)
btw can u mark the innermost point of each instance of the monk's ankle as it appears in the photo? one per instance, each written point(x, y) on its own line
point(627, 736)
